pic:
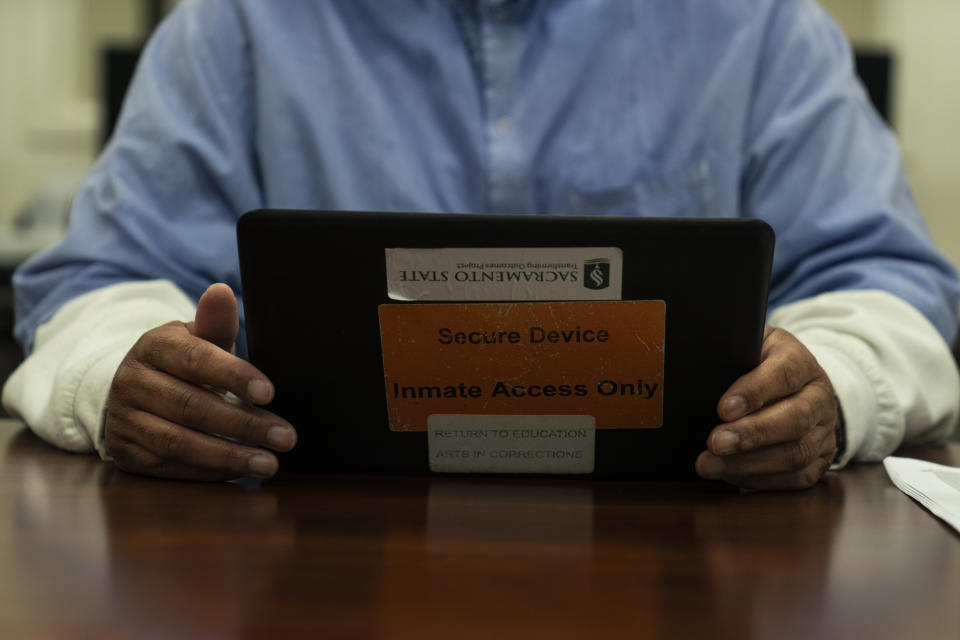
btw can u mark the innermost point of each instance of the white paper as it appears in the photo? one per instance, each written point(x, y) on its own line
point(935, 486)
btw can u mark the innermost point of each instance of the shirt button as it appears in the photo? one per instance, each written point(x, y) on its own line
point(504, 125)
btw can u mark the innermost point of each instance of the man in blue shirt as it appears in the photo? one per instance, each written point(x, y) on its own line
point(617, 107)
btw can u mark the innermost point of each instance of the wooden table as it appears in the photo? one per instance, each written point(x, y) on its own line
point(89, 551)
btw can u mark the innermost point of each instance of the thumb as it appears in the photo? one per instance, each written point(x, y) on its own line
point(217, 320)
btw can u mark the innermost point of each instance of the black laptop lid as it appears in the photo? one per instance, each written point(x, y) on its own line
point(590, 344)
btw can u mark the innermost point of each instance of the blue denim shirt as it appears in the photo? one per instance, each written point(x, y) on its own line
point(601, 107)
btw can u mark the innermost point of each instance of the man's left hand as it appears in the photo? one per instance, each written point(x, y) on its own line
point(779, 421)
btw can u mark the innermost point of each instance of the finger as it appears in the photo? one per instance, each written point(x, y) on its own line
point(785, 421)
point(786, 366)
point(132, 458)
point(171, 348)
point(198, 408)
point(789, 481)
point(777, 459)
point(217, 320)
point(180, 446)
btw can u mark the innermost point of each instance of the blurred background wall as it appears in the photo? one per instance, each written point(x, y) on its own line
point(50, 80)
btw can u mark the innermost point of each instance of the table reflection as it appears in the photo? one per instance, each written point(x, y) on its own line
point(55, 552)
point(85, 546)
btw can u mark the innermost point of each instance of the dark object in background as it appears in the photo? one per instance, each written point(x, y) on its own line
point(118, 64)
point(876, 68)
point(10, 354)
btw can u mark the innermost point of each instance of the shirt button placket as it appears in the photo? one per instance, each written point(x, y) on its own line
point(501, 44)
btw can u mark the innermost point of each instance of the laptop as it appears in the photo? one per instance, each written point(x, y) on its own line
point(413, 343)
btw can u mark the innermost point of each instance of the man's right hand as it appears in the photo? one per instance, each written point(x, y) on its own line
point(167, 414)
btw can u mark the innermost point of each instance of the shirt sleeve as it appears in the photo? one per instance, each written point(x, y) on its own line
point(824, 170)
point(892, 371)
point(163, 199)
point(61, 389)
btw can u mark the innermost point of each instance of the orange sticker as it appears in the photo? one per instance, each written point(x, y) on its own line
point(603, 359)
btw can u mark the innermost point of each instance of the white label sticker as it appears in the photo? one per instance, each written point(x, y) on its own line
point(471, 443)
point(575, 273)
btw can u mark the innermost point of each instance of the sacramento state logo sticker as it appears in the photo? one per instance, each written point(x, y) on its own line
point(596, 273)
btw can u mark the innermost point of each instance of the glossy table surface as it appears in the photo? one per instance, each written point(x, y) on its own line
point(89, 551)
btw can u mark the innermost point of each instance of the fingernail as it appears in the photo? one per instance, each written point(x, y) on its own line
point(281, 437)
point(733, 408)
point(262, 465)
point(710, 466)
point(259, 391)
point(725, 442)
